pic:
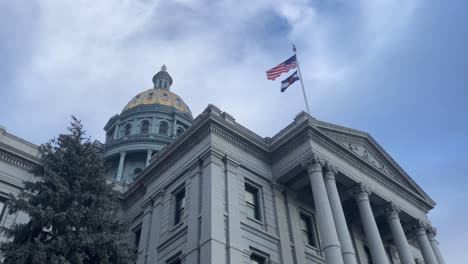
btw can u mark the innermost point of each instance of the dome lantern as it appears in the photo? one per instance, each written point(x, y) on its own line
point(162, 79)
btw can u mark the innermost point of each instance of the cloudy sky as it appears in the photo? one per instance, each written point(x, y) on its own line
point(394, 68)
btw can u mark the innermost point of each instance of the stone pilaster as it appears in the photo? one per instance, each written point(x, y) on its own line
point(330, 243)
point(392, 212)
point(431, 233)
point(282, 222)
point(155, 230)
point(424, 244)
point(145, 233)
point(347, 249)
point(121, 166)
point(149, 153)
point(361, 194)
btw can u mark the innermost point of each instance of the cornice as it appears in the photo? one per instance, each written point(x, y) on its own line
point(17, 161)
point(137, 138)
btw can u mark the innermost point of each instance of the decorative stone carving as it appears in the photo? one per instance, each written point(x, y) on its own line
point(362, 151)
point(431, 231)
point(329, 171)
point(361, 192)
point(312, 163)
point(420, 226)
point(392, 211)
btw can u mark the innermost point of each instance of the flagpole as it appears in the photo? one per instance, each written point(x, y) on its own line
point(300, 78)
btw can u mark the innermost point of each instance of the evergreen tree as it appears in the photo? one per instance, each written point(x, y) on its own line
point(72, 209)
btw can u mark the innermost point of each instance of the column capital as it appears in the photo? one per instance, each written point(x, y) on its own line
point(431, 231)
point(123, 153)
point(312, 163)
point(361, 192)
point(420, 227)
point(392, 211)
point(329, 171)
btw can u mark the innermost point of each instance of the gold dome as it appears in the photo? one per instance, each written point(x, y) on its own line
point(158, 97)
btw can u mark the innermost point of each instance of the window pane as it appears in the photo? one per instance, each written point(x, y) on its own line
point(249, 197)
point(250, 211)
point(251, 202)
point(179, 206)
point(257, 260)
point(137, 237)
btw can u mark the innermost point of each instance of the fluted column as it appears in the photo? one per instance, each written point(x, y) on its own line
point(347, 250)
point(121, 166)
point(330, 243)
point(392, 212)
point(431, 233)
point(424, 244)
point(376, 248)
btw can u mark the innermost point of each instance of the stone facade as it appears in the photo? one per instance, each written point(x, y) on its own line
point(208, 190)
point(303, 196)
point(17, 158)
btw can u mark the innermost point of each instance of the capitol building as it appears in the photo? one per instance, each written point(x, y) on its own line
point(207, 190)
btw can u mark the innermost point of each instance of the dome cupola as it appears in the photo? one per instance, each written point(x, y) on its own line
point(150, 121)
point(162, 79)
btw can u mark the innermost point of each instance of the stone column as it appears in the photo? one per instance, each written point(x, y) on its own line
point(392, 212)
point(431, 233)
point(121, 166)
point(149, 153)
point(347, 250)
point(330, 243)
point(377, 250)
point(424, 244)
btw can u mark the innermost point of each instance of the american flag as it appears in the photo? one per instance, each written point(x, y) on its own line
point(285, 66)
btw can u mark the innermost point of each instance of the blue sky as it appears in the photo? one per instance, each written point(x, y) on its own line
point(394, 68)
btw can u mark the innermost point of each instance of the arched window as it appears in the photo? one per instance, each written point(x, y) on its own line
point(179, 131)
point(145, 127)
point(163, 128)
point(128, 129)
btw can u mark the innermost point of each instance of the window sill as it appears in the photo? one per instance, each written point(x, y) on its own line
point(255, 220)
point(181, 223)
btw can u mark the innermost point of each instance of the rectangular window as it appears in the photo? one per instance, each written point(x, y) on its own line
point(308, 230)
point(179, 206)
point(255, 259)
point(150, 96)
point(252, 202)
point(165, 97)
point(137, 234)
point(178, 261)
point(2, 209)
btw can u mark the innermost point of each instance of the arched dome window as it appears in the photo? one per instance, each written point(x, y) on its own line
point(128, 129)
point(163, 128)
point(179, 131)
point(145, 127)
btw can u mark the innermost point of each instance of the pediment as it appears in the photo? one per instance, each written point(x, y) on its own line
point(368, 150)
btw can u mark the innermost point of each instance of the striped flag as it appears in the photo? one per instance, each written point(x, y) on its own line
point(283, 67)
point(288, 81)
